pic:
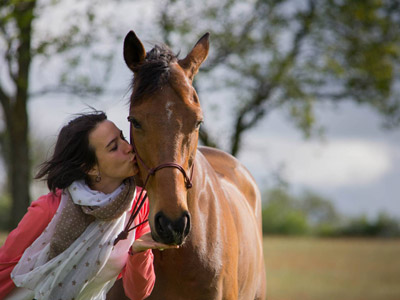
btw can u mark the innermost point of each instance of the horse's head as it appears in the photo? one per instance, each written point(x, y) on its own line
point(165, 116)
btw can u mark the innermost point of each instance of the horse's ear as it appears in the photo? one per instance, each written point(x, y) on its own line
point(134, 52)
point(191, 63)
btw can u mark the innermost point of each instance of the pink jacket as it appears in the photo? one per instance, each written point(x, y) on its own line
point(138, 275)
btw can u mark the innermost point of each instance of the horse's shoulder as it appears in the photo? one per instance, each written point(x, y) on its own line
point(228, 167)
point(225, 163)
point(217, 157)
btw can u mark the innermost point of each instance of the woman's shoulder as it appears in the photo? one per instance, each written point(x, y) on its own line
point(39, 215)
point(49, 197)
point(49, 202)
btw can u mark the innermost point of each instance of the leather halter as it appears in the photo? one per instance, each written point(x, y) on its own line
point(150, 171)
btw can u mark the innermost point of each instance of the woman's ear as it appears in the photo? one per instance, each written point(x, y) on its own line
point(94, 171)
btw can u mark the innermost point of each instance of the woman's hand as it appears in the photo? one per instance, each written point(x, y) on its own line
point(146, 242)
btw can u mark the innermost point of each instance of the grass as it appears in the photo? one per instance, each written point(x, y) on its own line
point(311, 268)
point(323, 269)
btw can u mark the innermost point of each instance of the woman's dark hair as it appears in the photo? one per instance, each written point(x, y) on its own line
point(73, 156)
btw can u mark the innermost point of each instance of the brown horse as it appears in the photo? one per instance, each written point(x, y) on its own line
point(200, 198)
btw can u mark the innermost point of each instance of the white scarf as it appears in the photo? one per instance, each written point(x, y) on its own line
point(67, 275)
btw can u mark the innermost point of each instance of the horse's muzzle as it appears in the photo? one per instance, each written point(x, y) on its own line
point(172, 232)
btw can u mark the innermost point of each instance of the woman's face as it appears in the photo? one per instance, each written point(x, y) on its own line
point(115, 160)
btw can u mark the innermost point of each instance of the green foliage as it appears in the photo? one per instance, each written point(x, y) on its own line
point(360, 42)
point(281, 214)
point(312, 214)
point(383, 226)
point(307, 213)
point(319, 211)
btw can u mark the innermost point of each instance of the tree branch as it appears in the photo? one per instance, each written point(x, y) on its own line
point(9, 58)
point(253, 110)
point(5, 101)
point(225, 50)
point(8, 55)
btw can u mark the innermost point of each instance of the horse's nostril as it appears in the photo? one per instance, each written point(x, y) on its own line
point(187, 227)
point(186, 217)
point(159, 223)
point(172, 231)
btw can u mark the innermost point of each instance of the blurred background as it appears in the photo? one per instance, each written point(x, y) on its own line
point(304, 92)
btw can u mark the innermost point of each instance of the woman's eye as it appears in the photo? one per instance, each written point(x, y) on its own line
point(114, 148)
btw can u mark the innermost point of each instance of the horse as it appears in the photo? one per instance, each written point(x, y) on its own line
point(200, 198)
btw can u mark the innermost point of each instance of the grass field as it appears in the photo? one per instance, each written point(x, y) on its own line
point(323, 269)
point(356, 269)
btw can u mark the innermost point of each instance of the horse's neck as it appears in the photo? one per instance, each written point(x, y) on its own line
point(203, 191)
point(204, 200)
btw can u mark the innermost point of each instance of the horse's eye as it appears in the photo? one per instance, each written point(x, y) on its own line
point(134, 122)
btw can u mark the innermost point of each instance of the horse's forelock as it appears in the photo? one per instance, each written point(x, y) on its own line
point(154, 72)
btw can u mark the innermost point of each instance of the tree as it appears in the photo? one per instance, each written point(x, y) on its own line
point(286, 213)
point(290, 55)
point(318, 210)
point(18, 57)
point(22, 41)
point(358, 51)
point(281, 214)
point(383, 226)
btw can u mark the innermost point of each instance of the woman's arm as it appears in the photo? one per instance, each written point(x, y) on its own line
point(28, 230)
point(138, 276)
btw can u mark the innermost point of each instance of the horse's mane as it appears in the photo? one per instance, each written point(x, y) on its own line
point(154, 72)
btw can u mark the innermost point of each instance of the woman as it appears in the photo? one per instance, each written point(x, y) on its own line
point(63, 248)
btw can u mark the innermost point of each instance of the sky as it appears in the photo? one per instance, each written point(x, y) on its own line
point(356, 164)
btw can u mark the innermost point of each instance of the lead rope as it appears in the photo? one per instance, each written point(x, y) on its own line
point(123, 235)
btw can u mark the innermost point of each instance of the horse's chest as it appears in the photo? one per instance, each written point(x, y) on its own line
point(194, 279)
point(184, 290)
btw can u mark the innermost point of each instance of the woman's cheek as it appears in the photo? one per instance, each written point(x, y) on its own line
point(135, 169)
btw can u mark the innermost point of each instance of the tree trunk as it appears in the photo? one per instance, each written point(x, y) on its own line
point(19, 164)
point(17, 119)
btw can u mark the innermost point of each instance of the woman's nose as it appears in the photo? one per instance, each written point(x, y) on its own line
point(128, 148)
